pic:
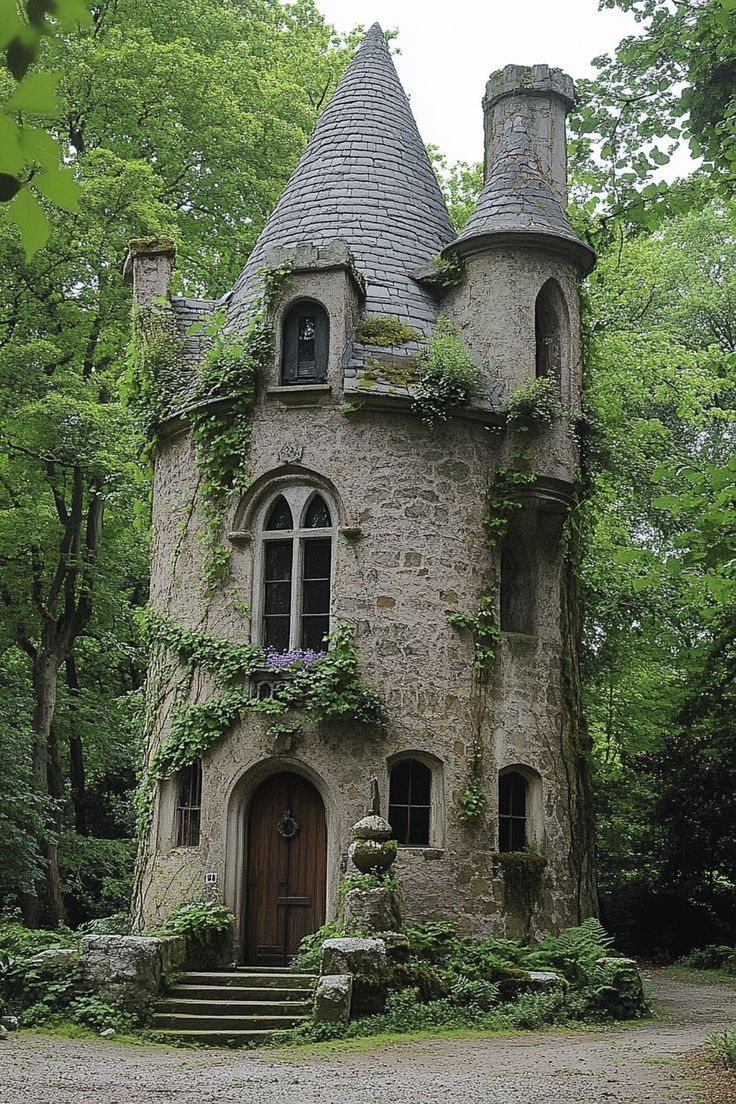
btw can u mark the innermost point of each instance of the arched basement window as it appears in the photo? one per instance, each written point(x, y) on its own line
point(410, 802)
point(513, 794)
point(189, 805)
point(306, 338)
point(296, 571)
point(551, 331)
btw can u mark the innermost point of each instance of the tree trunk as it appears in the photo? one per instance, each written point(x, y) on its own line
point(45, 677)
point(76, 752)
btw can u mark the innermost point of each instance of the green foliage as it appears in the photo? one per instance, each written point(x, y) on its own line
point(309, 956)
point(154, 365)
point(30, 156)
point(447, 377)
point(385, 331)
point(98, 1015)
point(386, 880)
point(69, 444)
point(327, 690)
point(536, 404)
point(574, 952)
point(117, 924)
point(485, 629)
point(472, 802)
point(723, 1048)
point(200, 921)
point(712, 957)
point(97, 874)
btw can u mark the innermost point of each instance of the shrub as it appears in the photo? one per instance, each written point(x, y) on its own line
point(118, 924)
point(481, 994)
point(713, 957)
point(309, 956)
point(201, 921)
point(448, 376)
point(574, 953)
point(723, 1048)
point(99, 1015)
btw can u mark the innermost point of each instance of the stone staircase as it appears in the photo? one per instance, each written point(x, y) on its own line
point(234, 1007)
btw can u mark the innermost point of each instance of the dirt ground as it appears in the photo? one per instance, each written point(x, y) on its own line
point(639, 1065)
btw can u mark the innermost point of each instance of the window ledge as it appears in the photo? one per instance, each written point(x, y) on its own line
point(306, 394)
point(427, 852)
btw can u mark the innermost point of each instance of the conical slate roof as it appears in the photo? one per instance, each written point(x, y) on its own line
point(517, 198)
point(364, 180)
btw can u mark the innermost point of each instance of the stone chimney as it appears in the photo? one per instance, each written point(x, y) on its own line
point(148, 266)
point(542, 97)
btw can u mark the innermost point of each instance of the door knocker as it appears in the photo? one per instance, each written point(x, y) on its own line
point(288, 827)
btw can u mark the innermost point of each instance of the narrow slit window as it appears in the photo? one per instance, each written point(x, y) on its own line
point(277, 594)
point(513, 791)
point(316, 593)
point(518, 589)
point(551, 326)
point(189, 805)
point(409, 809)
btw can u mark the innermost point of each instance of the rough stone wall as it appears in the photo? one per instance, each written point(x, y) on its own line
point(417, 496)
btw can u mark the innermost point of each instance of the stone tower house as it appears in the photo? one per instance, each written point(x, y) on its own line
point(358, 512)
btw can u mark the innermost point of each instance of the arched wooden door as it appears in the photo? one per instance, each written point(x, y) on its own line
point(286, 875)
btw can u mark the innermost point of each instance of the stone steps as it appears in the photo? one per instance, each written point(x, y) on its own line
point(234, 1007)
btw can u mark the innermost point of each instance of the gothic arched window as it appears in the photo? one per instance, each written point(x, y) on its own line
point(410, 802)
point(306, 340)
point(551, 331)
point(296, 545)
point(189, 804)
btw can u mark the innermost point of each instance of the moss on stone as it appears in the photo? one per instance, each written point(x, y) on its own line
point(385, 331)
point(154, 244)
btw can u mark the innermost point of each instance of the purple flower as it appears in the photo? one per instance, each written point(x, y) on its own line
point(281, 660)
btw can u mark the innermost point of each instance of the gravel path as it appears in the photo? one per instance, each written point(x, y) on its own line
point(621, 1066)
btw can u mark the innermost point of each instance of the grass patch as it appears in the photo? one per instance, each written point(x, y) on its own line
point(693, 973)
point(67, 1029)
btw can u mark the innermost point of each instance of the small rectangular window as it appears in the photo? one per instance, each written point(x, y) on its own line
point(512, 798)
point(189, 805)
point(316, 573)
point(277, 594)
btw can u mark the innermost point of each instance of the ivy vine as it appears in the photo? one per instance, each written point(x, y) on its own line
point(222, 434)
point(531, 406)
point(313, 687)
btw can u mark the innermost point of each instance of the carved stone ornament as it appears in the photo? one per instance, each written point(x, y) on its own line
point(288, 827)
point(291, 454)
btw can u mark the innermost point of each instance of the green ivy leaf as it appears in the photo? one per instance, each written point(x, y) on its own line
point(30, 218)
point(60, 187)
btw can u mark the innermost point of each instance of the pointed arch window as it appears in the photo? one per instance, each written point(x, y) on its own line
point(296, 552)
point(305, 345)
point(551, 327)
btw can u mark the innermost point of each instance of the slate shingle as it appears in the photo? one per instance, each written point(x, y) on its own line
point(364, 178)
point(516, 197)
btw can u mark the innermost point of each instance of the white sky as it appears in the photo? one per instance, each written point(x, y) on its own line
point(449, 48)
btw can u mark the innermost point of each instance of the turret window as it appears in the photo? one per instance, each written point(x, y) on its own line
point(305, 344)
point(551, 332)
point(296, 551)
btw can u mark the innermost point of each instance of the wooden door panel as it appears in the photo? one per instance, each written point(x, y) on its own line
point(286, 874)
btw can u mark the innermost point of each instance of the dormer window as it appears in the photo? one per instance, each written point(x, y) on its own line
point(306, 337)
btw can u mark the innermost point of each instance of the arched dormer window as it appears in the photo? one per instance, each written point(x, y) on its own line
point(305, 347)
point(189, 804)
point(410, 802)
point(551, 327)
point(296, 543)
